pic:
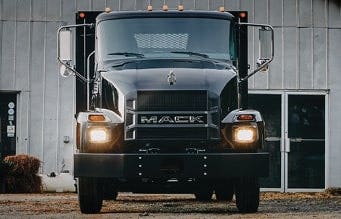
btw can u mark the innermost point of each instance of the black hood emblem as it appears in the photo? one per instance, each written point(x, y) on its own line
point(171, 78)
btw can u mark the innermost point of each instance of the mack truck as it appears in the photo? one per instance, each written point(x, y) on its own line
point(167, 106)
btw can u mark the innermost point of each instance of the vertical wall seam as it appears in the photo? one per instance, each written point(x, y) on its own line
point(15, 49)
point(28, 115)
point(44, 91)
point(312, 43)
point(297, 41)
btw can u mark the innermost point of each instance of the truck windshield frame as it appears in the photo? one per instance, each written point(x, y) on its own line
point(165, 37)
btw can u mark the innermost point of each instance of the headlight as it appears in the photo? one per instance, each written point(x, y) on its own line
point(246, 134)
point(99, 135)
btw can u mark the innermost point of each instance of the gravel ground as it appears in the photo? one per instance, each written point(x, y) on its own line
point(272, 205)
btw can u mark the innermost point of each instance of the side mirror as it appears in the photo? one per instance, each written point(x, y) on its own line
point(265, 48)
point(65, 51)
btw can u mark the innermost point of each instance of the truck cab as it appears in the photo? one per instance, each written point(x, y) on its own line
point(168, 108)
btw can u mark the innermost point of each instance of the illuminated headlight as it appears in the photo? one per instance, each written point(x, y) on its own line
point(245, 134)
point(98, 135)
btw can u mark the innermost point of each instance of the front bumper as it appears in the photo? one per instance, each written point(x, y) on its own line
point(203, 166)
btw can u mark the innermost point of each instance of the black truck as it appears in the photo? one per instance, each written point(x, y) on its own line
point(168, 107)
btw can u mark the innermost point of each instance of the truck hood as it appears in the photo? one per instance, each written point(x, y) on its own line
point(130, 80)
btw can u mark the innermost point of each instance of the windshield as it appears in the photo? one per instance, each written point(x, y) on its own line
point(164, 38)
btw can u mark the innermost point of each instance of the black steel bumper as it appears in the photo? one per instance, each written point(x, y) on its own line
point(204, 166)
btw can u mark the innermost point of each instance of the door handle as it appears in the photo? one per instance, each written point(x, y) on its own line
point(287, 145)
point(297, 140)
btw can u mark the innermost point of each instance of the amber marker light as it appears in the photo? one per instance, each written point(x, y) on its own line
point(96, 118)
point(107, 10)
point(180, 7)
point(222, 9)
point(165, 7)
point(149, 8)
point(82, 15)
point(246, 117)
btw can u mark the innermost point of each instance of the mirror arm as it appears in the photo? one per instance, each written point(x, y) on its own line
point(88, 79)
point(263, 65)
point(66, 64)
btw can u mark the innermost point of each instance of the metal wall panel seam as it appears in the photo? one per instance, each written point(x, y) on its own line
point(312, 56)
point(44, 87)
point(297, 58)
point(253, 44)
point(14, 53)
point(327, 59)
point(28, 115)
point(58, 122)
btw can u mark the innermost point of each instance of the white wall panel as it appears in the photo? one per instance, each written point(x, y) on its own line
point(232, 5)
point(113, 4)
point(290, 58)
point(8, 9)
point(157, 4)
point(305, 56)
point(320, 13)
point(98, 5)
point(201, 4)
point(334, 64)
point(305, 9)
point(320, 57)
point(290, 13)
point(37, 83)
point(8, 57)
point(38, 10)
point(68, 11)
point(276, 12)
point(127, 5)
point(276, 66)
point(22, 56)
point(53, 10)
point(334, 13)
point(141, 4)
point(189, 4)
point(51, 99)
point(83, 5)
point(215, 4)
point(23, 10)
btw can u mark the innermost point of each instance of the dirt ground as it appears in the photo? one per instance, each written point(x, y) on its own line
point(272, 205)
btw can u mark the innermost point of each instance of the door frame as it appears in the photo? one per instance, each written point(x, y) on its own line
point(284, 129)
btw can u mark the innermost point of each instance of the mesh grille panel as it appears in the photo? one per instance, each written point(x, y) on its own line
point(162, 41)
point(172, 100)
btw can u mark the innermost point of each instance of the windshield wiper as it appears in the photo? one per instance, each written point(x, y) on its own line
point(127, 54)
point(191, 53)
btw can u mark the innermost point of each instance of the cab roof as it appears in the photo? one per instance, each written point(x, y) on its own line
point(160, 14)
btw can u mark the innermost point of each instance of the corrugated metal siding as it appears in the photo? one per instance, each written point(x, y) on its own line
point(307, 54)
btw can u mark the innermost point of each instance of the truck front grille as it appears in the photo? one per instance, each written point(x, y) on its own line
point(188, 100)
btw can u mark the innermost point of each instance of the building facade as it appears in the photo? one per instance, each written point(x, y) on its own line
point(299, 96)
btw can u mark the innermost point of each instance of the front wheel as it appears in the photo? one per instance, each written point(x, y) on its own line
point(224, 191)
point(89, 195)
point(247, 194)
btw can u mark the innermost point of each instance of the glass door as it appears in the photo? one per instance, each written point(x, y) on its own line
point(270, 106)
point(305, 141)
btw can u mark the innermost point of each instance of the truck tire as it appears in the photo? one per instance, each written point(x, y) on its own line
point(203, 195)
point(247, 194)
point(224, 191)
point(89, 195)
